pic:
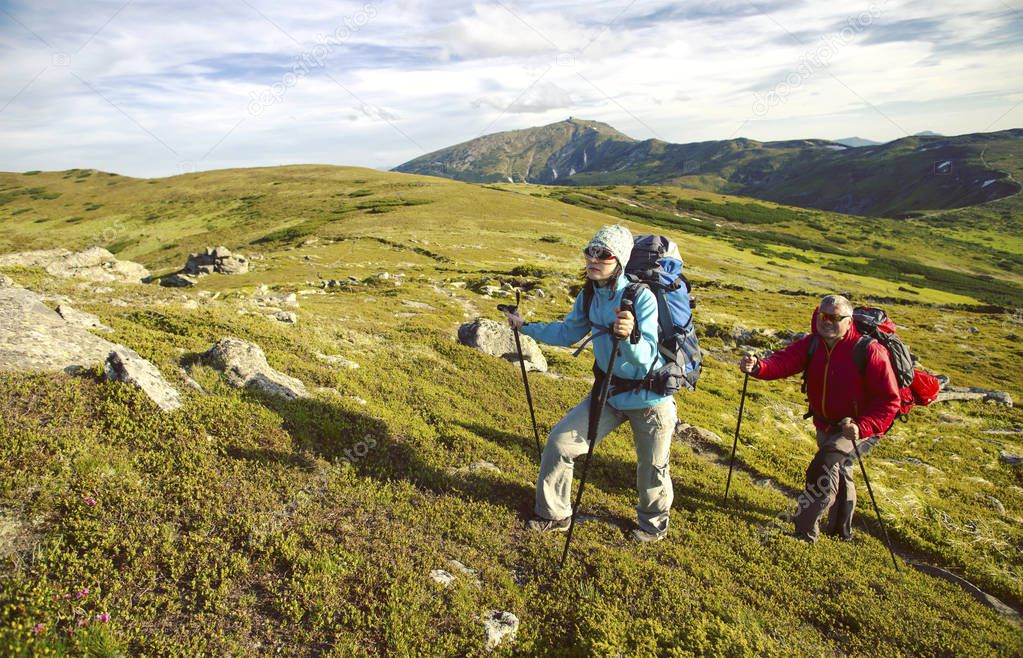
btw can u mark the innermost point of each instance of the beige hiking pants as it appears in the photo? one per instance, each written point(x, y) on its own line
point(652, 430)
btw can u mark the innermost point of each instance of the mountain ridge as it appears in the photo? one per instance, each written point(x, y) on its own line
point(904, 175)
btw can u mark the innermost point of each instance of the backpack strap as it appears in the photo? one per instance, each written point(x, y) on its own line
point(815, 342)
point(860, 351)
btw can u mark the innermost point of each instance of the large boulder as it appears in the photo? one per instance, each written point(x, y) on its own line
point(127, 366)
point(217, 260)
point(34, 338)
point(497, 339)
point(93, 264)
point(244, 366)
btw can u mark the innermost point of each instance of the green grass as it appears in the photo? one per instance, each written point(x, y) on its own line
point(244, 525)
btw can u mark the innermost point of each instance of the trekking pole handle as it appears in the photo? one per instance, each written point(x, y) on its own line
point(628, 306)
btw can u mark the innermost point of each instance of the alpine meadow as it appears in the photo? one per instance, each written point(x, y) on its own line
point(365, 492)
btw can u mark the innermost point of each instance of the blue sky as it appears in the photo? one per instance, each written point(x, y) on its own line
point(152, 88)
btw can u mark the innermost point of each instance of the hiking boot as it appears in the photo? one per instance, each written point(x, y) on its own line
point(540, 524)
point(644, 537)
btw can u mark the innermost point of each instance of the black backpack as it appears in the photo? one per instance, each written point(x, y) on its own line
point(655, 264)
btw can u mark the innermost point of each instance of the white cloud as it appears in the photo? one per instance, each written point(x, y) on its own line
point(377, 83)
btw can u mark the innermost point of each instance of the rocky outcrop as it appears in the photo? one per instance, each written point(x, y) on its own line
point(244, 366)
point(217, 260)
point(127, 366)
point(93, 264)
point(973, 393)
point(34, 338)
point(497, 339)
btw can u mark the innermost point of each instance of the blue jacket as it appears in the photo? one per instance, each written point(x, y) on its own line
point(633, 361)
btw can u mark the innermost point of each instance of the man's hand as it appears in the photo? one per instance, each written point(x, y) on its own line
point(849, 428)
point(624, 323)
point(515, 320)
point(748, 363)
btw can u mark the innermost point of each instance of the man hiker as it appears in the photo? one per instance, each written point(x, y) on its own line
point(846, 407)
point(651, 415)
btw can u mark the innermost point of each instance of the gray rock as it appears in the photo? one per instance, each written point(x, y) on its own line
point(499, 626)
point(287, 317)
point(477, 466)
point(974, 393)
point(5, 281)
point(178, 280)
point(497, 339)
point(422, 306)
point(127, 366)
point(93, 264)
point(35, 338)
point(244, 366)
point(1010, 459)
point(77, 318)
point(217, 260)
point(694, 434)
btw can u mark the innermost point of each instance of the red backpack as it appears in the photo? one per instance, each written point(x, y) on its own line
point(915, 386)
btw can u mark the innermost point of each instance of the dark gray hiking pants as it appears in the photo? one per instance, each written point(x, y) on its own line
point(830, 487)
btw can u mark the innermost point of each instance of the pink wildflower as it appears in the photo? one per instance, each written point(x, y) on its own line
point(83, 622)
point(84, 593)
point(103, 617)
point(39, 629)
point(89, 500)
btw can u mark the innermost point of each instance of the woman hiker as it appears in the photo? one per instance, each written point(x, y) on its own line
point(651, 415)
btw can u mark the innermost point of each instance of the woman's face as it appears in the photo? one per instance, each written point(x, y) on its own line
point(600, 264)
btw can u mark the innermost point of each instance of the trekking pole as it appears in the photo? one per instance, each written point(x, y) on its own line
point(884, 530)
point(735, 441)
point(591, 430)
point(508, 308)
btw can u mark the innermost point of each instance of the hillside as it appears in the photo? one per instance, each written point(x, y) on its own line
point(245, 524)
point(922, 172)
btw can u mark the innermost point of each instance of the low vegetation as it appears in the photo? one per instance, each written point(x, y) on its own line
point(242, 524)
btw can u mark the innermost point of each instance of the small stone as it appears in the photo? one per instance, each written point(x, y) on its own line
point(190, 305)
point(178, 280)
point(337, 359)
point(499, 626)
point(287, 317)
point(422, 306)
point(443, 577)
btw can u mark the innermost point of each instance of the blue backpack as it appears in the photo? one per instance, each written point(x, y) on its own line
point(655, 264)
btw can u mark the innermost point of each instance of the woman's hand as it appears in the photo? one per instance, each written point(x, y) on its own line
point(515, 320)
point(624, 323)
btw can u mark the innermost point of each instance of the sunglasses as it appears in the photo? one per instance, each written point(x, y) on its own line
point(598, 253)
point(834, 317)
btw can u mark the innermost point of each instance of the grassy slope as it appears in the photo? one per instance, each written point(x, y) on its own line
point(235, 526)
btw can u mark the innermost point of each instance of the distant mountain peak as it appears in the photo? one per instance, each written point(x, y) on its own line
point(856, 142)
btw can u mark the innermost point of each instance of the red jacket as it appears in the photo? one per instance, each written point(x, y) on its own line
point(834, 387)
